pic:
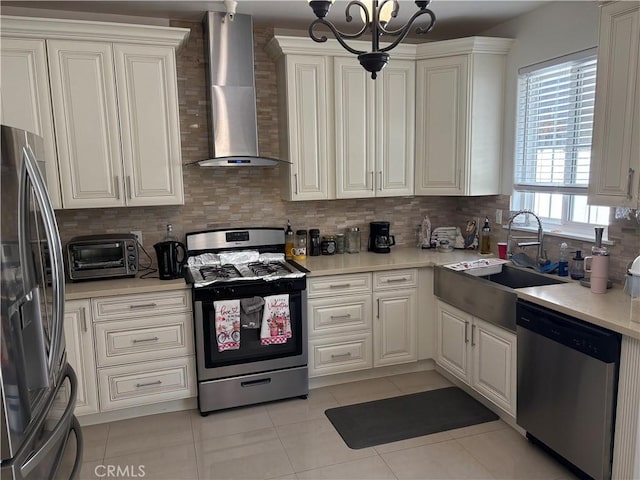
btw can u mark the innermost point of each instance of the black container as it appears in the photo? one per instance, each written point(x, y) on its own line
point(314, 242)
point(170, 260)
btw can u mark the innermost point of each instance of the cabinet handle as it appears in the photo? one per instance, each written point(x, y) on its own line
point(295, 182)
point(140, 340)
point(466, 332)
point(473, 329)
point(340, 285)
point(373, 186)
point(630, 183)
point(336, 317)
point(129, 186)
point(116, 186)
point(378, 313)
point(393, 280)
point(143, 305)
point(84, 319)
point(157, 382)
point(342, 355)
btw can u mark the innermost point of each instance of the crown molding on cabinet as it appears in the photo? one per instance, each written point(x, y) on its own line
point(463, 46)
point(49, 28)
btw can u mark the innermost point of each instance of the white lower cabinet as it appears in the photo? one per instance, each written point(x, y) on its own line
point(131, 350)
point(78, 336)
point(479, 353)
point(344, 333)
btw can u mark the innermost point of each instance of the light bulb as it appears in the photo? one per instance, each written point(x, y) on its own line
point(385, 13)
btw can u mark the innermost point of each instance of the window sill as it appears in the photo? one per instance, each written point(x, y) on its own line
point(556, 232)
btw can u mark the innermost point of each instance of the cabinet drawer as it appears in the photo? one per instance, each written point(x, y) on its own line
point(335, 315)
point(339, 284)
point(148, 338)
point(395, 279)
point(135, 306)
point(145, 383)
point(340, 354)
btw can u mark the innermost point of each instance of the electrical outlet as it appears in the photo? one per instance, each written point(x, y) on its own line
point(499, 216)
point(138, 234)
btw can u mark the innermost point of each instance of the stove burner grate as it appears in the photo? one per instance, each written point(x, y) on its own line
point(266, 269)
point(219, 272)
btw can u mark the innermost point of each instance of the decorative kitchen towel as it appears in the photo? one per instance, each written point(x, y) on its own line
point(227, 324)
point(251, 312)
point(276, 320)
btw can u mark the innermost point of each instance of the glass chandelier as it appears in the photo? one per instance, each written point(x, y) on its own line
point(376, 16)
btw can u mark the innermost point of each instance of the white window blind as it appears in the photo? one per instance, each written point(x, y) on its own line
point(555, 122)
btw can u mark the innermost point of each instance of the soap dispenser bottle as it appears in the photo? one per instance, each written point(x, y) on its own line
point(485, 243)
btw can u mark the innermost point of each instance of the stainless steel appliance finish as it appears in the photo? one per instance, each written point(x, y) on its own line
point(35, 378)
point(490, 298)
point(233, 137)
point(254, 372)
point(96, 257)
point(567, 384)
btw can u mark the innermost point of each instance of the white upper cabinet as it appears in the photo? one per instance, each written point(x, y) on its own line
point(25, 102)
point(374, 129)
point(615, 153)
point(112, 89)
point(459, 108)
point(304, 125)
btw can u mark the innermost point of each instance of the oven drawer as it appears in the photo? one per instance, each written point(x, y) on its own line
point(148, 338)
point(339, 284)
point(346, 353)
point(145, 383)
point(135, 306)
point(395, 279)
point(336, 315)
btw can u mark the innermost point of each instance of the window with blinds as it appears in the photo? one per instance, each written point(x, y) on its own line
point(553, 143)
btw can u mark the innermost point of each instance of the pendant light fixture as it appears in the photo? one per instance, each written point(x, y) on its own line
point(376, 16)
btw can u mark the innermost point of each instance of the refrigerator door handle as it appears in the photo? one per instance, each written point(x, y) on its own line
point(77, 465)
point(61, 429)
point(55, 251)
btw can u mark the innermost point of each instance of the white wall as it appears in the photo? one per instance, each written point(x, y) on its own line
point(555, 29)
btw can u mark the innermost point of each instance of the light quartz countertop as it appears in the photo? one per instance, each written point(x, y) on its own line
point(120, 286)
point(374, 262)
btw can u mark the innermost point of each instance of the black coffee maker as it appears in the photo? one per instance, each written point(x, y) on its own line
point(172, 256)
point(379, 238)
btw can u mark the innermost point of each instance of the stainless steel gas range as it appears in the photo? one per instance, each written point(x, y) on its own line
point(250, 314)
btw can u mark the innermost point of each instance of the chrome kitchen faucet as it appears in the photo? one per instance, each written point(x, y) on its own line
point(511, 239)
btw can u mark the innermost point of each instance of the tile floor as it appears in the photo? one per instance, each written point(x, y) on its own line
point(292, 439)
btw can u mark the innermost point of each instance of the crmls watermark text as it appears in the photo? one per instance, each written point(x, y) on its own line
point(126, 471)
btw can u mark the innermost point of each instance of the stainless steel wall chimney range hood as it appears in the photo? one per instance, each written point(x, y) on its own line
point(233, 125)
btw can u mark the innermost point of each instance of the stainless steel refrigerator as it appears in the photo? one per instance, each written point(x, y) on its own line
point(38, 387)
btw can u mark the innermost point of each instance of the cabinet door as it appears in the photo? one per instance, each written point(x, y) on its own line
point(494, 364)
point(395, 129)
point(308, 126)
point(452, 335)
point(441, 125)
point(615, 163)
point(394, 327)
point(78, 336)
point(25, 101)
point(86, 118)
point(149, 122)
point(354, 129)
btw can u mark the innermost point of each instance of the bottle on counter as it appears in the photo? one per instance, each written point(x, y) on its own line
point(563, 261)
point(314, 242)
point(485, 242)
point(577, 266)
point(169, 236)
point(300, 246)
point(288, 242)
point(597, 265)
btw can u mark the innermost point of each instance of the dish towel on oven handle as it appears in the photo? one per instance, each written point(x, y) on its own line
point(276, 320)
point(227, 324)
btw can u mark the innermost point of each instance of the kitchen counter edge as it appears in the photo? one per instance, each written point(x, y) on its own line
point(120, 286)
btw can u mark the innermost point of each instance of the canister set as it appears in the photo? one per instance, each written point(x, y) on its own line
point(298, 245)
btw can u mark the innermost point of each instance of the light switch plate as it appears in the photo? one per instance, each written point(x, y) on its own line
point(499, 216)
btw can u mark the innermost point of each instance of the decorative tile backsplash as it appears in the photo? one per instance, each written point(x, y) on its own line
point(241, 197)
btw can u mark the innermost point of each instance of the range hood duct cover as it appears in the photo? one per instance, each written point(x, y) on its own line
point(233, 120)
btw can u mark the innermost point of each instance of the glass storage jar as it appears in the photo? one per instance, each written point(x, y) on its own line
point(353, 240)
point(340, 243)
point(300, 245)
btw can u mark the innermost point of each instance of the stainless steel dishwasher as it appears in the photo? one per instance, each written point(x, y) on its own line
point(567, 386)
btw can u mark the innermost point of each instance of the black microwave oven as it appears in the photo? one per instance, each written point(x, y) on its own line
point(98, 257)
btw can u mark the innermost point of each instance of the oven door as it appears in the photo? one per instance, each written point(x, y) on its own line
point(251, 356)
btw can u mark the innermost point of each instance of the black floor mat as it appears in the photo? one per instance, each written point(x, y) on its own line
point(392, 419)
